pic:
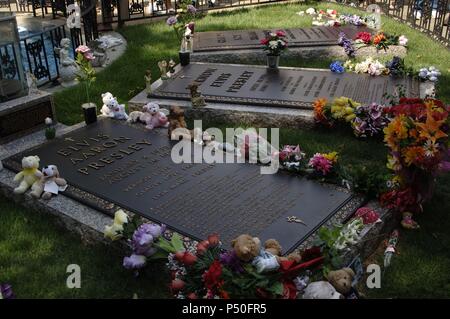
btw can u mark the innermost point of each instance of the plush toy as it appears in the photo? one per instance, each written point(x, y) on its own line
point(269, 258)
point(106, 98)
point(29, 177)
point(116, 110)
point(341, 280)
point(53, 183)
point(321, 290)
point(246, 247)
point(176, 119)
point(407, 221)
point(157, 118)
point(368, 215)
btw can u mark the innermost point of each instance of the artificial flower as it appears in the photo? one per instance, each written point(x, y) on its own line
point(337, 67)
point(230, 259)
point(343, 109)
point(114, 231)
point(412, 154)
point(171, 21)
point(431, 129)
point(347, 44)
point(6, 292)
point(332, 157)
point(377, 39)
point(134, 262)
point(211, 278)
point(365, 37)
point(310, 11)
point(319, 111)
point(402, 40)
point(320, 164)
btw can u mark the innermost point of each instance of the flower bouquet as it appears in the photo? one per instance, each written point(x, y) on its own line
point(417, 138)
point(86, 75)
point(274, 44)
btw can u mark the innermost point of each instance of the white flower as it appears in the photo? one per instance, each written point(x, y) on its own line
point(48, 121)
point(120, 217)
point(301, 13)
point(113, 232)
point(272, 34)
point(273, 44)
point(311, 11)
point(402, 40)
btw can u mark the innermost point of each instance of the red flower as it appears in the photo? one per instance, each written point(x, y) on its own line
point(364, 37)
point(289, 290)
point(192, 295)
point(213, 240)
point(202, 247)
point(189, 259)
point(211, 277)
point(264, 41)
point(280, 34)
point(177, 285)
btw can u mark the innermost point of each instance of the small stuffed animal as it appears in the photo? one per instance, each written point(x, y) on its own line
point(321, 290)
point(407, 221)
point(157, 119)
point(116, 110)
point(29, 177)
point(176, 119)
point(246, 247)
point(274, 247)
point(53, 183)
point(106, 98)
point(341, 280)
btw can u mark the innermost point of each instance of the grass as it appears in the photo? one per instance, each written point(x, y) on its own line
point(35, 251)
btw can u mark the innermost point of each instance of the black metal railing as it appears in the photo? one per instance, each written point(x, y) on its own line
point(429, 16)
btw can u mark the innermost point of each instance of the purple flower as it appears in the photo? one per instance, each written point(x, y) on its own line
point(171, 21)
point(337, 67)
point(143, 238)
point(191, 9)
point(370, 120)
point(6, 292)
point(134, 262)
point(347, 44)
point(230, 259)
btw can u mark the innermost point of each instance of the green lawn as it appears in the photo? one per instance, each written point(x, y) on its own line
point(34, 251)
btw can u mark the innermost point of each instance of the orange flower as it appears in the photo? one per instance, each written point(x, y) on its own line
point(413, 154)
point(395, 131)
point(378, 38)
point(319, 110)
point(430, 130)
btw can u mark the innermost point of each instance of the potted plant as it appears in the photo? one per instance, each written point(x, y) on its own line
point(274, 43)
point(86, 76)
point(183, 25)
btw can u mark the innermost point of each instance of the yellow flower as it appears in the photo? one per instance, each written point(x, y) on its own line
point(412, 154)
point(393, 163)
point(332, 157)
point(344, 108)
point(430, 130)
point(395, 131)
point(113, 232)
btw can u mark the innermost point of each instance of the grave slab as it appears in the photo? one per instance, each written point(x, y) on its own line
point(250, 39)
point(284, 87)
point(193, 199)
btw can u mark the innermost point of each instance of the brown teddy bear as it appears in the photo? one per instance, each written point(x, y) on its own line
point(52, 182)
point(273, 246)
point(246, 247)
point(342, 280)
point(176, 119)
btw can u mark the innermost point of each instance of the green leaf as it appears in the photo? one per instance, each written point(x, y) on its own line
point(276, 288)
point(177, 242)
point(165, 245)
point(160, 254)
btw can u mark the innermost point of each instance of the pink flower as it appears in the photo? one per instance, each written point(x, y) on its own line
point(280, 33)
point(82, 49)
point(264, 41)
point(320, 164)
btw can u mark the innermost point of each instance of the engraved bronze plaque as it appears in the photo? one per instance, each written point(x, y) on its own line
point(250, 39)
point(285, 87)
point(133, 169)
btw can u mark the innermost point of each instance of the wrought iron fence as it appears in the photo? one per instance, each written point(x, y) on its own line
point(429, 16)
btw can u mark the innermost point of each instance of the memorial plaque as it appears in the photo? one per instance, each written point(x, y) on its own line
point(132, 168)
point(250, 39)
point(286, 87)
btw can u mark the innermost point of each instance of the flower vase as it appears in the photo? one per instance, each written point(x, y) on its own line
point(90, 113)
point(273, 61)
point(185, 57)
point(50, 132)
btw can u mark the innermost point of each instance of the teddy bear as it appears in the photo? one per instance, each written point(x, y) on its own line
point(106, 98)
point(157, 119)
point(116, 110)
point(29, 177)
point(52, 182)
point(269, 258)
point(176, 119)
point(246, 247)
point(321, 290)
point(342, 280)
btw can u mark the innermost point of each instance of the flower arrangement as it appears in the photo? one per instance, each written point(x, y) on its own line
point(417, 138)
point(429, 74)
point(337, 67)
point(6, 292)
point(369, 120)
point(341, 109)
point(146, 240)
point(86, 73)
point(274, 43)
point(209, 271)
point(347, 44)
point(322, 163)
point(183, 22)
point(50, 130)
point(369, 66)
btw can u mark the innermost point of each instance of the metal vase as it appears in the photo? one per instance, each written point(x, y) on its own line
point(273, 61)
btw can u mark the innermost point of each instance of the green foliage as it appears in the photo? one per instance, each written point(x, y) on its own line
point(368, 179)
point(86, 74)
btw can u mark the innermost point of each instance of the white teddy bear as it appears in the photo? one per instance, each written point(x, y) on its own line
point(151, 115)
point(112, 108)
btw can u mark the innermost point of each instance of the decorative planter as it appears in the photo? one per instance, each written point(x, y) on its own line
point(90, 113)
point(185, 57)
point(273, 61)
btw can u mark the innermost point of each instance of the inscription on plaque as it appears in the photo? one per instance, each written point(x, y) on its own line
point(133, 168)
point(250, 39)
point(286, 87)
